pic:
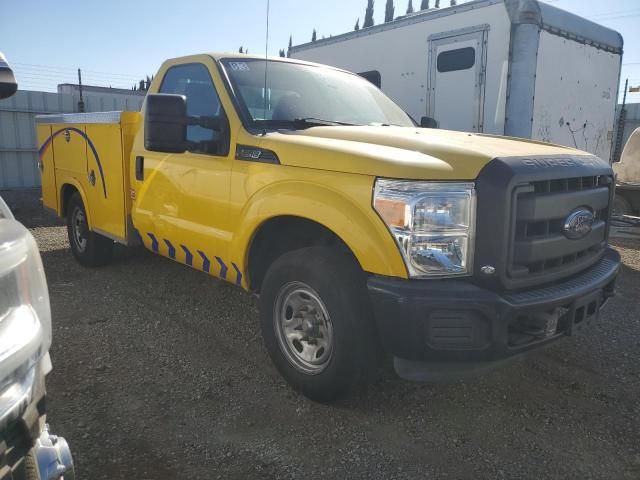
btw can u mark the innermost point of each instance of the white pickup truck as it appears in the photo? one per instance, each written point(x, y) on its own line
point(27, 450)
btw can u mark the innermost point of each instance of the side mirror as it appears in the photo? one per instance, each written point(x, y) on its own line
point(428, 122)
point(165, 123)
point(8, 84)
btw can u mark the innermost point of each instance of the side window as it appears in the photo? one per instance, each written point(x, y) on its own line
point(458, 59)
point(194, 82)
point(373, 76)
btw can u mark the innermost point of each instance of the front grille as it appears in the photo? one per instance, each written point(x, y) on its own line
point(539, 249)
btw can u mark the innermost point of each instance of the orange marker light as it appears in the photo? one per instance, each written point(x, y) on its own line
point(393, 212)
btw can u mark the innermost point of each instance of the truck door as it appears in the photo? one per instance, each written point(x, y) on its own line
point(181, 200)
point(457, 63)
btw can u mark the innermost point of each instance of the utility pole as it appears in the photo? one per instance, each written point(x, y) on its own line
point(81, 102)
point(620, 128)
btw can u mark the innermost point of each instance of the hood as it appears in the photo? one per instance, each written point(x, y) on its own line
point(401, 152)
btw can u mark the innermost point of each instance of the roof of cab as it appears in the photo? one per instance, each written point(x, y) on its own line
point(218, 56)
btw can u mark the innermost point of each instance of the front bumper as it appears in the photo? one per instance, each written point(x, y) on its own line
point(29, 436)
point(442, 329)
point(24, 433)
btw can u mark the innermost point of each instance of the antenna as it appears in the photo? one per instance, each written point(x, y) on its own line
point(266, 66)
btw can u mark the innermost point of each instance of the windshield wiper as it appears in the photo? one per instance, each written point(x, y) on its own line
point(302, 123)
point(308, 122)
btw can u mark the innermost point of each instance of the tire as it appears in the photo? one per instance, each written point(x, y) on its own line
point(30, 467)
point(621, 206)
point(89, 248)
point(314, 302)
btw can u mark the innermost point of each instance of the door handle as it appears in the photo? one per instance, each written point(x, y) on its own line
point(140, 168)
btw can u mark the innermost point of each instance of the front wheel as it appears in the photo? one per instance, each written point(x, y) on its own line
point(89, 248)
point(316, 322)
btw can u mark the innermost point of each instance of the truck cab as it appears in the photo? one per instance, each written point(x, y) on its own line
point(360, 231)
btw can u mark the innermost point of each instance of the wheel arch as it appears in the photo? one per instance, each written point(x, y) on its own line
point(320, 214)
point(68, 188)
point(285, 233)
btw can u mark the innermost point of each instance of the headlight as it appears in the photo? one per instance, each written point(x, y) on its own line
point(25, 316)
point(432, 222)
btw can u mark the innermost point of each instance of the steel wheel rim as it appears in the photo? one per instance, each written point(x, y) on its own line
point(79, 228)
point(303, 328)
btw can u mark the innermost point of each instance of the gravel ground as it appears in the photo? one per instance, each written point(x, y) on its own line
point(160, 372)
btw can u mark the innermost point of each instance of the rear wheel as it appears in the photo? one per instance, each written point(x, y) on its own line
point(316, 322)
point(89, 248)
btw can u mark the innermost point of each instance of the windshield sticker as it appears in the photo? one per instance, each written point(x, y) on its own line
point(239, 66)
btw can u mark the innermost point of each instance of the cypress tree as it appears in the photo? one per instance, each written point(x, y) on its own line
point(357, 25)
point(453, 3)
point(314, 36)
point(290, 45)
point(424, 5)
point(368, 15)
point(410, 7)
point(437, 4)
point(240, 50)
point(389, 11)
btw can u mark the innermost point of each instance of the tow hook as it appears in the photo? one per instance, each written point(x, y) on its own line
point(53, 457)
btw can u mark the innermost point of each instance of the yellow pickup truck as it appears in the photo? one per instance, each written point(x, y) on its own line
point(358, 229)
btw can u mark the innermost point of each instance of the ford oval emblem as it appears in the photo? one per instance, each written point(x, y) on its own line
point(578, 224)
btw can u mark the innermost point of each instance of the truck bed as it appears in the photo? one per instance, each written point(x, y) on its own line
point(89, 153)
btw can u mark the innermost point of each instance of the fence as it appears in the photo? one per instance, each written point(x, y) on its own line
point(19, 149)
point(18, 145)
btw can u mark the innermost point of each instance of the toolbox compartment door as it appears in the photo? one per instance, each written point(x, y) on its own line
point(47, 168)
point(70, 150)
point(105, 180)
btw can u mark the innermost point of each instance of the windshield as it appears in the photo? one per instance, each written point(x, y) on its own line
point(298, 96)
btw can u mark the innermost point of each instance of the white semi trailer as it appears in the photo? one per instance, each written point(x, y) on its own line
point(508, 67)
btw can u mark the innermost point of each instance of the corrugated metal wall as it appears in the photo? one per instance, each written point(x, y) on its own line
point(18, 149)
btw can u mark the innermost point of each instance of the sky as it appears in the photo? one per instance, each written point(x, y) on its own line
point(117, 42)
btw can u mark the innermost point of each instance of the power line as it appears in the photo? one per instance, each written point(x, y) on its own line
point(65, 75)
point(56, 82)
point(608, 19)
point(71, 69)
point(635, 11)
point(47, 73)
point(43, 77)
point(70, 79)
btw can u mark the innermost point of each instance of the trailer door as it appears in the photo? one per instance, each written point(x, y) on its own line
point(457, 63)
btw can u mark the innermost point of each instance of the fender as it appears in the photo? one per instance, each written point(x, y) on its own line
point(74, 183)
point(353, 221)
